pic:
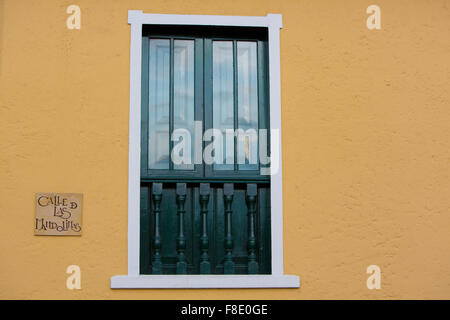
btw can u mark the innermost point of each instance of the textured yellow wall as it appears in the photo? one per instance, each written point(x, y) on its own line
point(366, 148)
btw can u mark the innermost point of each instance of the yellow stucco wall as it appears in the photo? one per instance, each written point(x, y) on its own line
point(366, 148)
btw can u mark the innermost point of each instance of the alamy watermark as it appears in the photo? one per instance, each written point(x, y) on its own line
point(251, 147)
point(374, 280)
point(74, 280)
point(374, 20)
point(74, 20)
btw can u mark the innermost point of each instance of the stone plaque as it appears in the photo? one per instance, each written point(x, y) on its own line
point(58, 214)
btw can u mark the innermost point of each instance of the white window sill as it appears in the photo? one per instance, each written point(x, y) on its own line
point(204, 281)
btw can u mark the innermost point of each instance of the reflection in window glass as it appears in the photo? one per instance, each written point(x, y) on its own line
point(223, 98)
point(247, 83)
point(183, 95)
point(159, 81)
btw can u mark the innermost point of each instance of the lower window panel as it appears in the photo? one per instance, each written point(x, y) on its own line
point(205, 228)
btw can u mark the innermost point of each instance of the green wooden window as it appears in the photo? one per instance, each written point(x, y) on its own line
point(203, 217)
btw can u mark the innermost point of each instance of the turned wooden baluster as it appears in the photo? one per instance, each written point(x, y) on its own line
point(181, 240)
point(228, 266)
point(205, 266)
point(156, 197)
point(251, 206)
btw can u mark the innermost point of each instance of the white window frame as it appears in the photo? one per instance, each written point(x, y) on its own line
point(134, 280)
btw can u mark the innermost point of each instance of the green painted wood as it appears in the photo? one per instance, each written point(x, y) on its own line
point(263, 98)
point(171, 105)
point(235, 101)
point(228, 199)
point(169, 221)
point(205, 265)
point(199, 97)
point(144, 106)
point(264, 230)
point(264, 180)
point(186, 230)
point(181, 240)
point(208, 95)
point(144, 263)
point(262, 105)
point(156, 197)
point(251, 205)
point(218, 227)
point(198, 110)
point(203, 105)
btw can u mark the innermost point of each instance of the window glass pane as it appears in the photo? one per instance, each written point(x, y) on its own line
point(183, 101)
point(223, 99)
point(159, 80)
point(247, 83)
